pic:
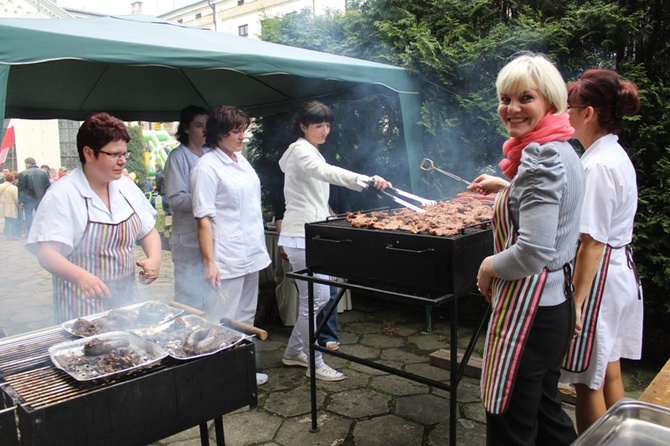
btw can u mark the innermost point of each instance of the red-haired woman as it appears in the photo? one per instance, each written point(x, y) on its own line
point(608, 297)
point(88, 224)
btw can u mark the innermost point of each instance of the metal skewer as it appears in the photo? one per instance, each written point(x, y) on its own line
point(427, 165)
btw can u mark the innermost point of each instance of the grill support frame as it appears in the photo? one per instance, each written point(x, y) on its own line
point(456, 370)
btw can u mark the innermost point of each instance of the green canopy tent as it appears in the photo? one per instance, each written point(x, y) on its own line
point(144, 68)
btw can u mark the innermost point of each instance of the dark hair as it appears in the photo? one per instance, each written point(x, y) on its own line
point(311, 112)
point(9, 177)
point(97, 131)
point(186, 116)
point(611, 97)
point(222, 120)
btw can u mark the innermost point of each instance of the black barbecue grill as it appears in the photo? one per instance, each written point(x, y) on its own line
point(430, 264)
point(42, 405)
point(414, 268)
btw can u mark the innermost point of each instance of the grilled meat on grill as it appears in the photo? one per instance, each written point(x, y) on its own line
point(443, 218)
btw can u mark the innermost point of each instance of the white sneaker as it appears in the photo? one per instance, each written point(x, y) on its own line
point(327, 373)
point(261, 378)
point(299, 361)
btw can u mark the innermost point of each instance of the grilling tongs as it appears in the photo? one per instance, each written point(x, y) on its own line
point(389, 191)
point(427, 165)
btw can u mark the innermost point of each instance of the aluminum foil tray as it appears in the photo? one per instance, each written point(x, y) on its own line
point(105, 355)
point(141, 315)
point(629, 422)
point(190, 336)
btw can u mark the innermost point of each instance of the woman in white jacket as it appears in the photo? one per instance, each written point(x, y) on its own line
point(307, 176)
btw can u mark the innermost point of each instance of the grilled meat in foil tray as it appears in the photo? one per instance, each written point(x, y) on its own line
point(146, 314)
point(190, 336)
point(105, 355)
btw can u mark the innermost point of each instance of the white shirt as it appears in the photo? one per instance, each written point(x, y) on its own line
point(306, 189)
point(62, 214)
point(230, 194)
point(610, 200)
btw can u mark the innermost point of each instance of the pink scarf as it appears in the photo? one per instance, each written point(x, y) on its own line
point(550, 128)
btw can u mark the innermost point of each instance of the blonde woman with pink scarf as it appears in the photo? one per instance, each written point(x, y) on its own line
point(528, 278)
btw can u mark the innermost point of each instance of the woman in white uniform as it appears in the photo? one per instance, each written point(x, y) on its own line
point(608, 297)
point(226, 195)
point(189, 287)
point(88, 224)
point(306, 189)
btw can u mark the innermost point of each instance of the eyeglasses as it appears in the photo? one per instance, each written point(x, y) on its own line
point(576, 107)
point(116, 155)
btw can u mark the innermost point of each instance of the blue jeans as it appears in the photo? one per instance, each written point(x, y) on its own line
point(329, 332)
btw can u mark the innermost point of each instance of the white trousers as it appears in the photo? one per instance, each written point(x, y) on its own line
point(299, 340)
point(238, 300)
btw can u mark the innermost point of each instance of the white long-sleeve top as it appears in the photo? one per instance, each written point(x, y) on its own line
point(307, 176)
point(178, 167)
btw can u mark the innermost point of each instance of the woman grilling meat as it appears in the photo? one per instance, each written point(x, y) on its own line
point(87, 225)
point(608, 297)
point(306, 187)
point(528, 279)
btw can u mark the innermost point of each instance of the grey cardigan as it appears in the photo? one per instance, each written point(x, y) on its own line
point(545, 202)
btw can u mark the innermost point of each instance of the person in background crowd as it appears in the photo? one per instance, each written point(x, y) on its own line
point(62, 171)
point(608, 295)
point(47, 169)
point(5, 171)
point(189, 288)
point(33, 184)
point(306, 188)
point(226, 194)
point(528, 278)
point(9, 207)
point(160, 188)
point(89, 223)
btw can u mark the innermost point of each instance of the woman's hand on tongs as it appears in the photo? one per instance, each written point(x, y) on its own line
point(486, 184)
point(380, 183)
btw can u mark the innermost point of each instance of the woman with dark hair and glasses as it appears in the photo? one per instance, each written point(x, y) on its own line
point(227, 206)
point(88, 224)
point(608, 297)
point(189, 288)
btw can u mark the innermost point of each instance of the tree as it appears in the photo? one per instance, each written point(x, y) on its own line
point(136, 148)
point(457, 49)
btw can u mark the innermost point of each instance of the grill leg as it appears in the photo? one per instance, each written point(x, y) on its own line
point(429, 320)
point(218, 428)
point(312, 358)
point(204, 436)
point(453, 374)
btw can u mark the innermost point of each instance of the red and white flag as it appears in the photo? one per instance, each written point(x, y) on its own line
point(7, 142)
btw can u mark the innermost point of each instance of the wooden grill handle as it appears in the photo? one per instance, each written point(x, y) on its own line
point(188, 308)
point(249, 329)
point(232, 323)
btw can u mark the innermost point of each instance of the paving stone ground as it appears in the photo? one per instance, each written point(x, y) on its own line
point(368, 408)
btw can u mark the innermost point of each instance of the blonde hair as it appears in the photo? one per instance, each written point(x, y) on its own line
point(534, 71)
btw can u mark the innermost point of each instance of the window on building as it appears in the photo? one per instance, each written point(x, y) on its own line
point(240, 2)
point(180, 21)
point(198, 15)
point(243, 30)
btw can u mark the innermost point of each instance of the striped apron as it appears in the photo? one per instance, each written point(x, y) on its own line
point(514, 304)
point(105, 250)
point(579, 353)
